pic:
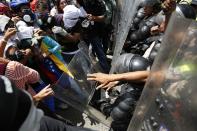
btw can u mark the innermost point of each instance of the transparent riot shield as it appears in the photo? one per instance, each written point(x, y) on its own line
point(168, 101)
point(124, 14)
point(78, 92)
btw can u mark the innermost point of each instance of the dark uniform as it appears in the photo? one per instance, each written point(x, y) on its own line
point(94, 33)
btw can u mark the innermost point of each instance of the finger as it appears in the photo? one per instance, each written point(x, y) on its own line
point(10, 29)
point(50, 93)
point(91, 75)
point(36, 31)
point(100, 86)
point(91, 79)
point(13, 31)
point(48, 90)
point(16, 17)
point(47, 94)
point(106, 86)
point(53, 93)
point(48, 86)
point(109, 88)
point(39, 31)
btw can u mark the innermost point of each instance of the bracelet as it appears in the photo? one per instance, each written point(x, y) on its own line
point(3, 40)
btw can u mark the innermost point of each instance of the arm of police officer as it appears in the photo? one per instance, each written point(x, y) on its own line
point(105, 79)
point(10, 32)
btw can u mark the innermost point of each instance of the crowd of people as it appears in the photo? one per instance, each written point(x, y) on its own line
point(38, 39)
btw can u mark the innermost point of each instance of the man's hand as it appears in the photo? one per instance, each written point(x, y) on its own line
point(16, 19)
point(100, 18)
point(10, 32)
point(105, 80)
point(59, 30)
point(90, 17)
point(169, 5)
point(99, 77)
point(108, 86)
point(39, 32)
point(47, 91)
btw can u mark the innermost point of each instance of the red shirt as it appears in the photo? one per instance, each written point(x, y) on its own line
point(21, 75)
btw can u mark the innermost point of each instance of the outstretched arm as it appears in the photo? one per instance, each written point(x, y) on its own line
point(10, 32)
point(108, 79)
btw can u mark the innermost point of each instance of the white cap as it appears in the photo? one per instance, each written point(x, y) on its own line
point(71, 16)
point(3, 22)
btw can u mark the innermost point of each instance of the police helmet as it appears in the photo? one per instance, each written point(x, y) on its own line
point(130, 62)
point(194, 2)
point(144, 3)
point(186, 11)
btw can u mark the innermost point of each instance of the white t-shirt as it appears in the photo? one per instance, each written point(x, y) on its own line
point(24, 32)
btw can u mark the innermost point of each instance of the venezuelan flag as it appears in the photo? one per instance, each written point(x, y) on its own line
point(56, 57)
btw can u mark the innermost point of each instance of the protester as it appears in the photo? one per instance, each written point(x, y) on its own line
point(58, 8)
point(18, 112)
point(93, 35)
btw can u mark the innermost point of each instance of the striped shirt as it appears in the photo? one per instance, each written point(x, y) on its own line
point(21, 75)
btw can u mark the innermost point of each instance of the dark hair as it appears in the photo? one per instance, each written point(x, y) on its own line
point(57, 3)
point(16, 56)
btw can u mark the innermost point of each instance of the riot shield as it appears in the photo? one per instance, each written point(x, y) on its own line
point(168, 99)
point(124, 14)
point(77, 92)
